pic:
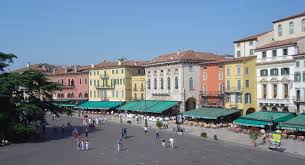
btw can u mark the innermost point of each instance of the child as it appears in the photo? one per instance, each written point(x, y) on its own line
point(87, 145)
point(163, 143)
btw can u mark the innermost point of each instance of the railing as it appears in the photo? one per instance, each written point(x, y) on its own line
point(299, 99)
point(211, 93)
point(274, 101)
point(104, 87)
point(277, 58)
point(104, 76)
point(234, 90)
point(68, 86)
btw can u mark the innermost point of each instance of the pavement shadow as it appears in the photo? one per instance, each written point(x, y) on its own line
point(128, 137)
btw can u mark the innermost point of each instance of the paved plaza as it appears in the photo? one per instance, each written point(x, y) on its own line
point(60, 148)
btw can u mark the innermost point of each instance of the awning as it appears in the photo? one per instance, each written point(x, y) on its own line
point(263, 118)
point(296, 124)
point(210, 113)
point(251, 123)
point(61, 100)
point(65, 105)
point(151, 106)
point(99, 105)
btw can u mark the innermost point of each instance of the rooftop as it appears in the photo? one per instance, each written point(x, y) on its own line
point(230, 60)
point(281, 43)
point(125, 63)
point(289, 17)
point(250, 38)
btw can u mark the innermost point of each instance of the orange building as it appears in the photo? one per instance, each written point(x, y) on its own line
point(212, 83)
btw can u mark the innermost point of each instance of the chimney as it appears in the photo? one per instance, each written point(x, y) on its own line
point(28, 65)
point(66, 70)
point(75, 69)
point(54, 71)
point(92, 65)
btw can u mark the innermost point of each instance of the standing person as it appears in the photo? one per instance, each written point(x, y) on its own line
point(87, 145)
point(171, 142)
point(78, 144)
point(163, 143)
point(82, 145)
point(145, 131)
point(157, 134)
point(121, 120)
point(119, 143)
point(86, 132)
point(125, 132)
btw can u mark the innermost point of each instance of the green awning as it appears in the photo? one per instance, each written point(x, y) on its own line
point(151, 106)
point(99, 105)
point(260, 118)
point(61, 100)
point(251, 123)
point(65, 105)
point(296, 124)
point(210, 113)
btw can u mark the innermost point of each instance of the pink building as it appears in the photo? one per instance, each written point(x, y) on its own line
point(75, 81)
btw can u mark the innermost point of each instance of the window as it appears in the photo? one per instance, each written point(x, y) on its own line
point(205, 76)
point(69, 82)
point(228, 72)
point(251, 51)
point(135, 96)
point(168, 83)
point(220, 88)
point(220, 76)
point(122, 71)
point(112, 93)
point(135, 87)
point(90, 93)
point(248, 98)
point(303, 25)
point(94, 82)
point(247, 84)
point(237, 70)
point(251, 43)
point(220, 66)
point(112, 71)
point(80, 81)
point(121, 81)
point(117, 94)
point(148, 83)
point(238, 53)
point(161, 83)
point(155, 83)
point(228, 88)
point(238, 98)
point(205, 89)
point(279, 30)
point(97, 72)
point(238, 85)
point(297, 64)
point(85, 81)
point(116, 71)
point(274, 53)
point(90, 82)
point(285, 51)
point(122, 93)
point(94, 93)
point(176, 83)
point(90, 73)
point(72, 82)
point(303, 76)
point(264, 54)
point(264, 91)
point(286, 91)
point(94, 73)
point(191, 84)
point(247, 71)
point(285, 71)
point(274, 91)
point(142, 87)
point(238, 44)
point(142, 96)
point(297, 77)
point(190, 68)
point(274, 72)
point(139, 71)
point(228, 98)
point(291, 28)
point(264, 72)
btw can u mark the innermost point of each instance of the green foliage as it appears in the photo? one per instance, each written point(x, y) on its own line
point(21, 133)
point(5, 59)
point(204, 135)
point(159, 124)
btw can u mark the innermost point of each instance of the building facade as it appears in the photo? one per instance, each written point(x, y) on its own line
point(299, 83)
point(74, 81)
point(240, 84)
point(175, 77)
point(138, 87)
point(112, 81)
point(212, 83)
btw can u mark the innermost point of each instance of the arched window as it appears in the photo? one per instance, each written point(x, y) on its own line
point(280, 30)
point(135, 86)
point(58, 95)
point(69, 82)
point(168, 83)
point(86, 95)
point(80, 95)
point(161, 83)
point(155, 83)
point(176, 83)
point(191, 85)
point(148, 83)
point(303, 25)
point(62, 95)
point(291, 28)
point(72, 82)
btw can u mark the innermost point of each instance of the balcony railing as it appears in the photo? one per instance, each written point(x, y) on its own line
point(104, 76)
point(277, 58)
point(234, 90)
point(104, 87)
point(274, 101)
point(299, 100)
point(68, 86)
point(211, 93)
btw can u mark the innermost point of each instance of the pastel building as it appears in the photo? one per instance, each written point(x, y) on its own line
point(175, 77)
point(299, 83)
point(138, 87)
point(240, 83)
point(112, 81)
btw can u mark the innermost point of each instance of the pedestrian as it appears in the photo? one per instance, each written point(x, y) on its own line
point(145, 131)
point(122, 133)
point(86, 132)
point(63, 129)
point(82, 145)
point(163, 143)
point(171, 142)
point(121, 120)
point(125, 132)
point(78, 144)
point(119, 143)
point(157, 134)
point(87, 145)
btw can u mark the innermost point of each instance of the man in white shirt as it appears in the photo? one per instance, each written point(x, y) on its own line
point(171, 142)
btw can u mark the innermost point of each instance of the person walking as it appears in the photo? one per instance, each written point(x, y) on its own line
point(163, 143)
point(145, 131)
point(157, 134)
point(82, 145)
point(87, 145)
point(171, 142)
point(86, 132)
point(78, 143)
point(119, 143)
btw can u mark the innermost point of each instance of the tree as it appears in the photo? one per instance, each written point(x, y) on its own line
point(5, 59)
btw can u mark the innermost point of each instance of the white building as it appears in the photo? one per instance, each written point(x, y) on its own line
point(299, 83)
point(175, 77)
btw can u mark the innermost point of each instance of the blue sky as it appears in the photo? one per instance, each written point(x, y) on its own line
point(86, 32)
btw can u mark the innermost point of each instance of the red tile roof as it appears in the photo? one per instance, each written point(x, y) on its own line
point(230, 60)
point(290, 17)
point(37, 67)
point(188, 55)
point(250, 38)
point(113, 64)
point(70, 70)
point(280, 43)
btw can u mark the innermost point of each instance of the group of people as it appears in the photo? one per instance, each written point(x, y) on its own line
point(163, 141)
point(82, 145)
point(91, 122)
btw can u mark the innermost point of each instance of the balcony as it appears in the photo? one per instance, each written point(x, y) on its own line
point(234, 90)
point(104, 76)
point(298, 100)
point(104, 87)
point(68, 86)
point(272, 59)
point(212, 93)
point(274, 101)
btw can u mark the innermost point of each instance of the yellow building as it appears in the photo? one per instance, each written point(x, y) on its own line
point(112, 81)
point(138, 88)
point(240, 84)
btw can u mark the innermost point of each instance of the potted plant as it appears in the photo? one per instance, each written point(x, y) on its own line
point(159, 124)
